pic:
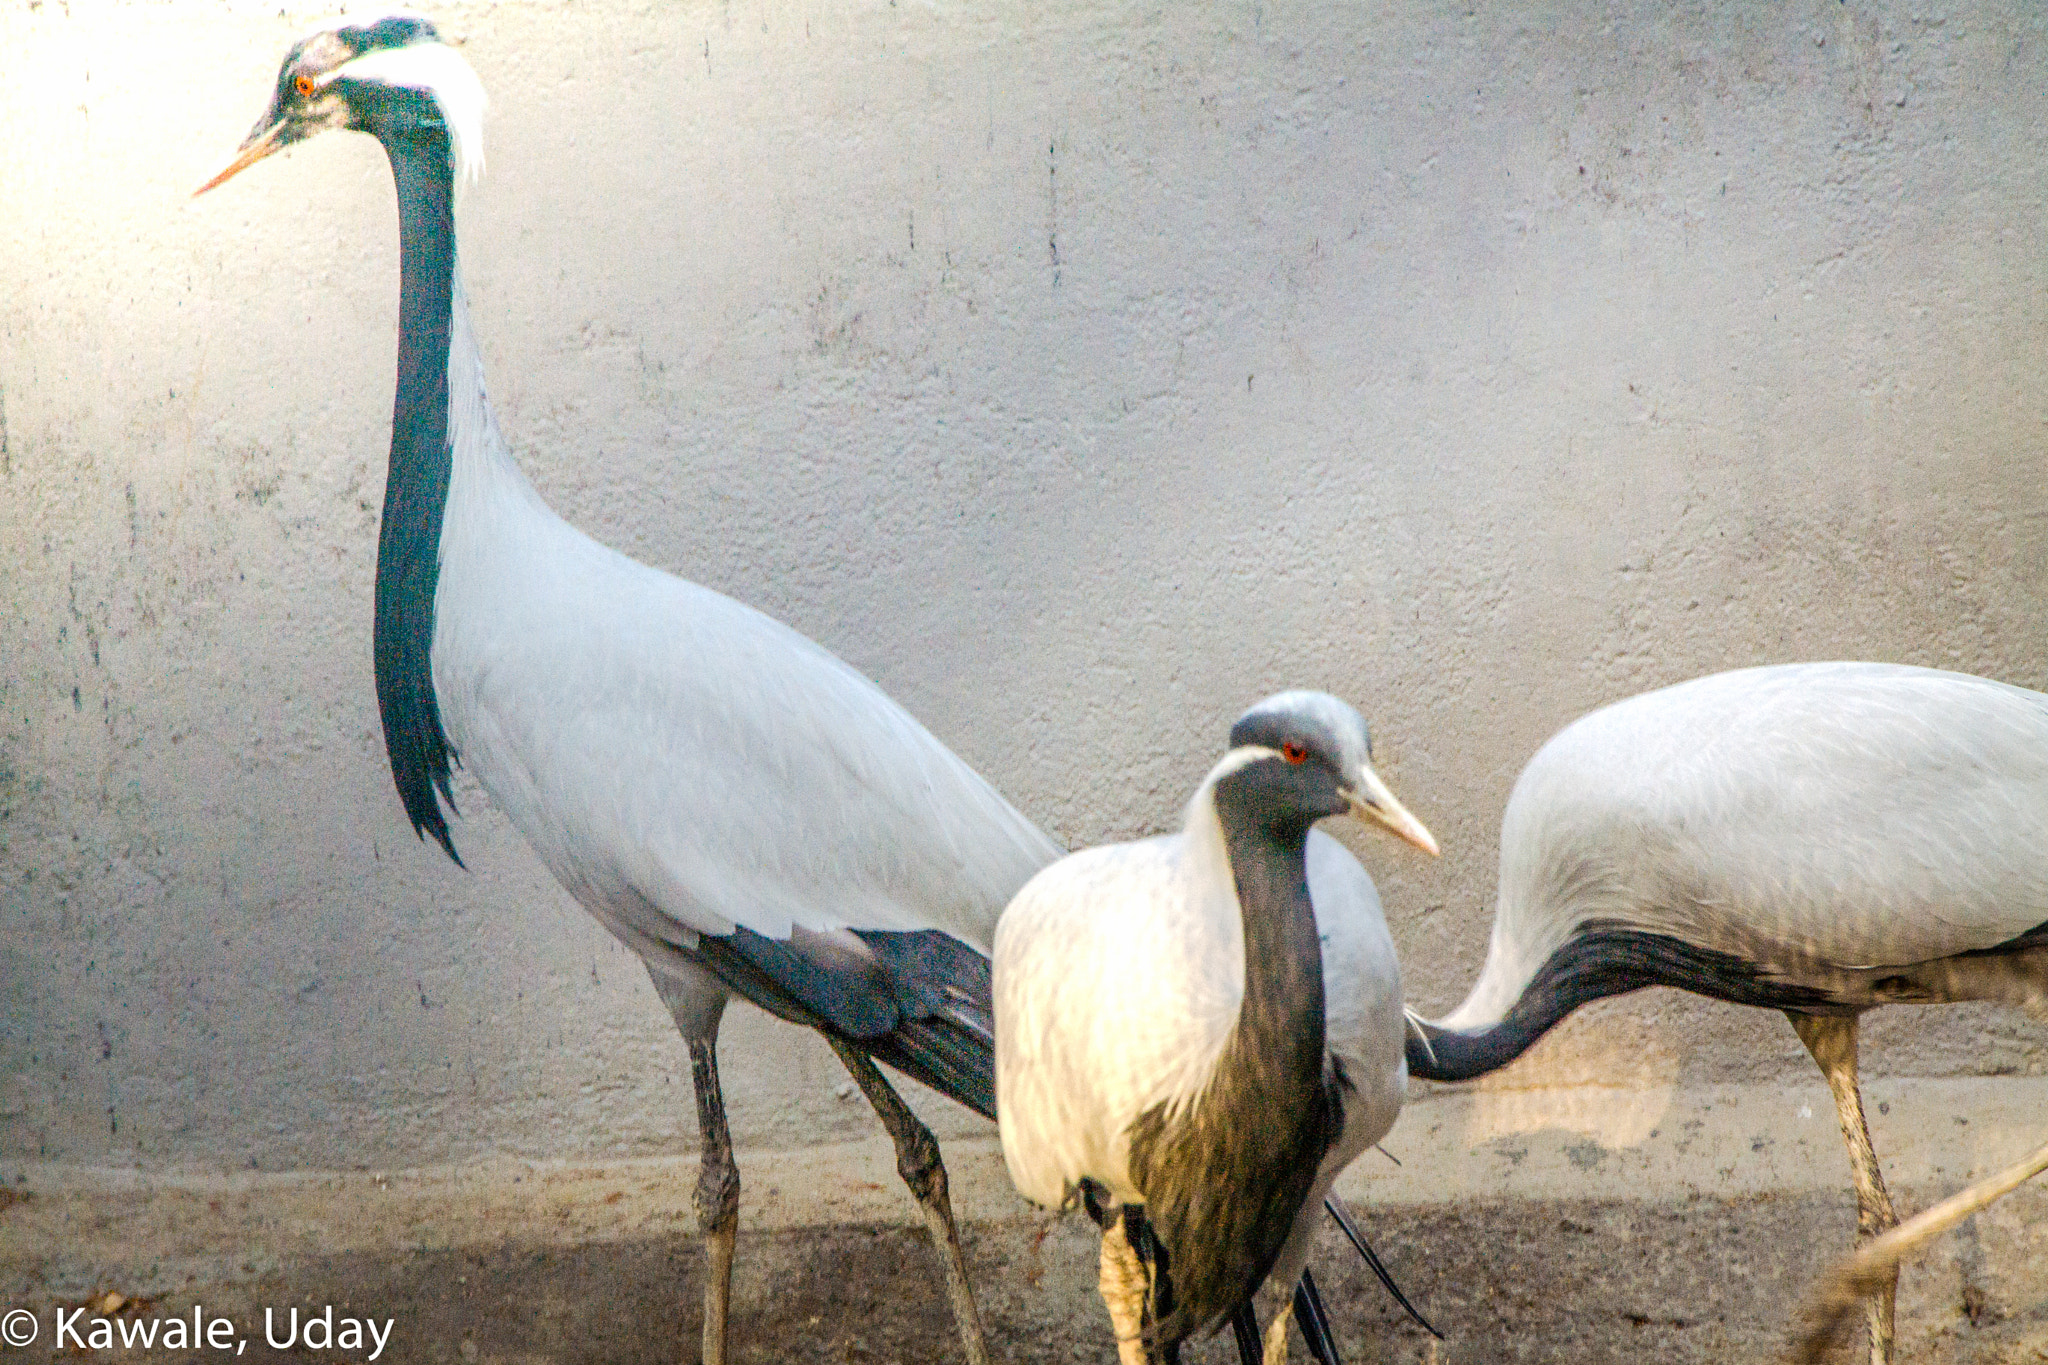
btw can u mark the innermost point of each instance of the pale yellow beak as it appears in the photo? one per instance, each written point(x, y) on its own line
point(253, 151)
point(1372, 802)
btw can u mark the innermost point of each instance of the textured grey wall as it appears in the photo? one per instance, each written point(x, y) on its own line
point(1080, 372)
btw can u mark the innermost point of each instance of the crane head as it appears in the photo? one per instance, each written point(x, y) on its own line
point(384, 73)
point(1323, 748)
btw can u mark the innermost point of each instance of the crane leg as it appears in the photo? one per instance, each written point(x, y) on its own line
point(1125, 1287)
point(918, 1162)
point(1139, 1236)
point(1832, 1041)
point(1314, 1320)
point(696, 1002)
point(1856, 1276)
point(717, 1197)
point(1276, 1334)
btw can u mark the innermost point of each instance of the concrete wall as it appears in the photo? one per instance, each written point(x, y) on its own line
point(1081, 373)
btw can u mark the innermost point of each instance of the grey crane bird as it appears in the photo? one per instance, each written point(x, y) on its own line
point(750, 815)
point(1161, 1040)
point(1814, 838)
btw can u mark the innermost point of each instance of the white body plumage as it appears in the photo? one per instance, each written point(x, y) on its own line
point(683, 763)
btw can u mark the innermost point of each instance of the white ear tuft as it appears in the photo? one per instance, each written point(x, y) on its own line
point(440, 71)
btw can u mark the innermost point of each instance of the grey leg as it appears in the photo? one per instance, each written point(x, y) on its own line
point(696, 1002)
point(1832, 1041)
point(917, 1161)
point(1878, 1259)
point(717, 1198)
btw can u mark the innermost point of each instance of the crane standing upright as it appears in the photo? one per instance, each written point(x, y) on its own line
point(1818, 838)
point(749, 814)
point(1163, 1047)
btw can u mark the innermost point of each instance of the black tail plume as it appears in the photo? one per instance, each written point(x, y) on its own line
point(1372, 1260)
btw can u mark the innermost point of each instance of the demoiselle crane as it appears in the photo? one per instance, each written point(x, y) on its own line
point(1161, 1039)
point(749, 814)
point(1815, 838)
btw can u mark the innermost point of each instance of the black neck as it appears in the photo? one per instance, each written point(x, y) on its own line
point(1224, 1180)
point(1441, 1054)
point(416, 494)
point(1602, 959)
point(1276, 1052)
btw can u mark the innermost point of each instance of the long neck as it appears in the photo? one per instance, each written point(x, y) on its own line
point(416, 493)
point(1275, 1054)
point(1436, 1053)
point(1224, 1179)
point(1602, 958)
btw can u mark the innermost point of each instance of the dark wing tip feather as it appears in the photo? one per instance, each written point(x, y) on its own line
point(1344, 1220)
point(1244, 1326)
point(946, 1034)
point(1314, 1321)
point(919, 1001)
point(939, 1052)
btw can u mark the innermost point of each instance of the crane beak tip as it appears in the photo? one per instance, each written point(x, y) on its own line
point(234, 167)
point(1413, 831)
point(251, 152)
point(1373, 802)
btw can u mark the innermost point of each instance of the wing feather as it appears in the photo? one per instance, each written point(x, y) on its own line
point(1858, 815)
point(1118, 976)
point(675, 748)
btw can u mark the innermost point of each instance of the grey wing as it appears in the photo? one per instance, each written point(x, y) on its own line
point(739, 776)
point(1362, 1016)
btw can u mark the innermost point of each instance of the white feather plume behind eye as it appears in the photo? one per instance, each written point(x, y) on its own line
point(361, 17)
point(440, 71)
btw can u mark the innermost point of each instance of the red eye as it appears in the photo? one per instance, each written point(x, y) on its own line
point(1293, 752)
point(303, 84)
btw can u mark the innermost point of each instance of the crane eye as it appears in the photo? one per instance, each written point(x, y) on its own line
point(1293, 752)
point(304, 85)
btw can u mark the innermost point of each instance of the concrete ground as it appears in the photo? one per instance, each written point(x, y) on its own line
point(1690, 1239)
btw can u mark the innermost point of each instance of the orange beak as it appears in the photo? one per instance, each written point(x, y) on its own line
point(1373, 802)
point(254, 150)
